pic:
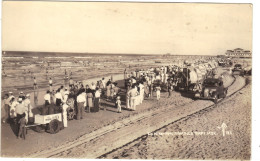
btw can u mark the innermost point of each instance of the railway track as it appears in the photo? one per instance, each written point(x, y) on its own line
point(101, 142)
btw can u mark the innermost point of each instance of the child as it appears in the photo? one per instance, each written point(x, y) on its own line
point(118, 104)
point(22, 123)
point(158, 92)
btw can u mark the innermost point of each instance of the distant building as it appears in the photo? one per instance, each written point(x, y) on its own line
point(238, 52)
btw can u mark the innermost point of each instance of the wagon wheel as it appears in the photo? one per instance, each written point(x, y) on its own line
point(54, 126)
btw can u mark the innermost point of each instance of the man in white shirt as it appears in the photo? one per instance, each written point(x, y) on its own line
point(64, 113)
point(93, 86)
point(58, 98)
point(66, 95)
point(141, 86)
point(27, 104)
point(81, 99)
point(47, 98)
point(103, 83)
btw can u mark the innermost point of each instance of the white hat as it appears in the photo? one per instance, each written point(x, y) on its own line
point(10, 92)
point(28, 95)
point(21, 92)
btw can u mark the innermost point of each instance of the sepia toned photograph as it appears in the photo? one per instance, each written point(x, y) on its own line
point(126, 80)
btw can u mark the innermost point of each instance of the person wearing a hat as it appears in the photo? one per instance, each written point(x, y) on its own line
point(20, 107)
point(21, 95)
point(118, 104)
point(20, 111)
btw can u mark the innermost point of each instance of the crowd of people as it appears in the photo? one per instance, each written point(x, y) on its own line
point(76, 99)
point(17, 112)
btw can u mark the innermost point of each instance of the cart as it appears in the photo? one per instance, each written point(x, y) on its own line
point(50, 123)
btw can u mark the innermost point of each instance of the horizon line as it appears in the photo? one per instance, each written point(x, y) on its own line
point(141, 54)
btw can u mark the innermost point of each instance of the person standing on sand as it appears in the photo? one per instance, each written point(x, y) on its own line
point(71, 82)
point(132, 93)
point(141, 87)
point(151, 90)
point(125, 74)
point(108, 91)
point(64, 114)
point(170, 89)
point(158, 92)
point(7, 108)
point(118, 104)
point(97, 99)
point(66, 94)
point(89, 98)
point(62, 92)
point(103, 83)
point(112, 91)
point(80, 104)
point(47, 98)
point(50, 84)
point(20, 110)
point(28, 106)
point(21, 124)
point(35, 83)
point(127, 99)
point(58, 97)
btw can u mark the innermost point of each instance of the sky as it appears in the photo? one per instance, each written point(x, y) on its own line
point(132, 28)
